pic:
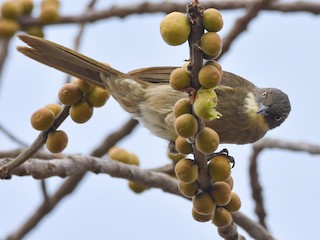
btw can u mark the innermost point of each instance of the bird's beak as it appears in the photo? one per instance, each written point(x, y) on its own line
point(263, 109)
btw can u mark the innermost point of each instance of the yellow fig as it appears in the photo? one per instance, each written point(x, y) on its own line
point(221, 193)
point(81, 112)
point(175, 28)
point(219, 168)
point(222, 217)
point(234, 204)
point(57, 141)
point(201, 217)
point(211, 44)
point(212, 20)
point(207, 141)
point(98, 97)
point(186, 125)
point(183, 146)
point(186, 170)
point(182, 106)
point(203, 203)
point(69, 94)
point(180, 79)
point(42, 119)
point(209, 76)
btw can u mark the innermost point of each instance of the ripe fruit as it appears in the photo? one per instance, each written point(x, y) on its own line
point(11, 10)
point(49, 13)
point(222, 217)
point(57, 141)
point(69, 94)
point(136, 187)
point(203, 203)
point(234, 204)
point(219, 168)
point(186, 170)
point(209, 76)
point(98, 97)
point(183, 146)
point(182, 106)
point(175, 28)
point(215, 64)
point(119, 154)
point(8, 28)
point(42, 119)
point(81, 112)
point(212, 20)
point(55, 108)
point(201, 217)
point(84, 86)
point(229, 180)
point(133, 159)
point(211, 44)
point(207, 140)
point(205, 104)
point(186, 125)
point(221, 193)
point(26, 6)
point(180, 79)
point(35, 31)
point(188, 189)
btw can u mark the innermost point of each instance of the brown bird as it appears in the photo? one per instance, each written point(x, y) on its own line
point(248, 112)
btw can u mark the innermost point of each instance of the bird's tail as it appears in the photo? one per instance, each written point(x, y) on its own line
point(66, 60)
point(124, 88)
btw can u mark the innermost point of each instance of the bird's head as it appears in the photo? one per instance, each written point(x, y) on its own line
point(274, 105)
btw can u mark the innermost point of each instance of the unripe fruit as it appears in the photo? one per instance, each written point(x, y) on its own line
point(133, 159)
point(182, 106)
point(119, 154)
point(229, 180)
point(175, 157)
point(175, 28)
point(188, 190)
point(11, 10)
point(180, 79)
point(201, 217)
point(186, 125)
point(219, 168)
point(98, 97)
point(215, 64)
point(57, 141)
point(234, 204)
point(81, 112)
point(207, 140)
point(183, 146)
point(222, 217)
point(26, 6)
point(205, 104)
point(55, 3)
point(8, 28)
point(42, 119)
point(211, 44)
point(35, 31)
point(69, 94)
point(186, 170)
point(84, 86)
point(136, 187)
point(55, 108)
point(221, 193)
point(203, 203)
point(212, 20)
point(209, 76)
point(49, 14)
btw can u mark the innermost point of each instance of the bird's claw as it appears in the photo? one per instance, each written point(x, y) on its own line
point(223, 152)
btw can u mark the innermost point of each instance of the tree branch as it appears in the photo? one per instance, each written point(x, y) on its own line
point(169, 6)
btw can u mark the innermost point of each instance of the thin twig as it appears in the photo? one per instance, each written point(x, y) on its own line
point(242, 23)
point(5, 170)
point(256, 187)
point(4, 45)
point(12, 137)
point(39, 168)
point(70, 184)
point(169, 6)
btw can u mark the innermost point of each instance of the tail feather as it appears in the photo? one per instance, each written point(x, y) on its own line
point(66, 60)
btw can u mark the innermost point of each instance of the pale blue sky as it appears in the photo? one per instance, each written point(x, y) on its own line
point(278, 50)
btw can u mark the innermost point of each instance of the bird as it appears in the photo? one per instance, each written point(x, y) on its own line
point(248, 112)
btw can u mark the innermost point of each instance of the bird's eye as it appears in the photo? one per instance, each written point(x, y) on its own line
point(264, 94)
point(278, 118)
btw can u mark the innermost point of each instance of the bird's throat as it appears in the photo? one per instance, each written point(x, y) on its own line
point(251, 107)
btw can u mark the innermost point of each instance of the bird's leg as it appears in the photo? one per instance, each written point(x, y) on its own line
point(223, 152)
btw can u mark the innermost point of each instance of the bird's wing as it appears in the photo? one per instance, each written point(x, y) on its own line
point(153, 74)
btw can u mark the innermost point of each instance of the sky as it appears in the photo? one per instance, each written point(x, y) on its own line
point(277, 50)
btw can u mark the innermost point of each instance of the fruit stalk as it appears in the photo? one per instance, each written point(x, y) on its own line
point(195, 12)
